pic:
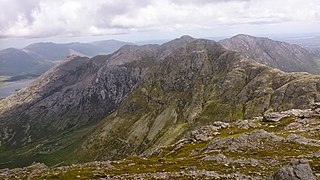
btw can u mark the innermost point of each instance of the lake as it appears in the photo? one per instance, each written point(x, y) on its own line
point(11, 88)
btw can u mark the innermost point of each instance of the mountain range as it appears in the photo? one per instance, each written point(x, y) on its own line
point(39, 57)
point(138, 98)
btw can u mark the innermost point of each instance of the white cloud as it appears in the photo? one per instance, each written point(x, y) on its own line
point(45, 18)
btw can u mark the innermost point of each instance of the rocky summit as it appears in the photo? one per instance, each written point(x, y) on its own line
point(189, 108)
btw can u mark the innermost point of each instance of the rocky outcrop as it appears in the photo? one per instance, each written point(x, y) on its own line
point(281, 55)
point(296, 170)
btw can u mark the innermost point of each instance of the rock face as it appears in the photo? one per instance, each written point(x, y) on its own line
point(281, 55)
point(141, 97)
point(296, 170)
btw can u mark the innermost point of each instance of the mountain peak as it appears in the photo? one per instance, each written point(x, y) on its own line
point(247, 37)
point(242, 35)
point(186, 37)
point(178, 41)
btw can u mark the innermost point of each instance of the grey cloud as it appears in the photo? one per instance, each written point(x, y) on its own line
point(203, 2)
point(12, 9)
point(43, 18)
point(108, 11)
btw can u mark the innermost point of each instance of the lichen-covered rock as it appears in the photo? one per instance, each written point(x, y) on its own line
point(296, 170)
point(303, 140)
point(273, 116)
point(246, 124)
point(243, 141)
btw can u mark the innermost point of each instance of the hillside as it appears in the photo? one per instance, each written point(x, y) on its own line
point(283, 147)
point(281, 55)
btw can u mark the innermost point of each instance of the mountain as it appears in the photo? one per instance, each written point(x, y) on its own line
point(39, 57)
point(47, 51)
point(281, 55)
point(16, 62)
point(56, 51)
point(310, 42)
point(86, 49)
point(139, 98)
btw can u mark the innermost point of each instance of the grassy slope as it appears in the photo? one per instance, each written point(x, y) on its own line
point(51, 151)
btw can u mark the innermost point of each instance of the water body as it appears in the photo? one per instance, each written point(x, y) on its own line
point(11, 88)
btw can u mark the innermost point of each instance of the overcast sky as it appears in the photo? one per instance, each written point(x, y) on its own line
point(26, 21)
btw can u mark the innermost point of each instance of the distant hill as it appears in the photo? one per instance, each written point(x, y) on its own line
point(311, 42)
point(39, 57)
point(85, 48)
point(109, 46)
point(48, 51)
point(281, 55)
point(55, 51)
point(16, 62)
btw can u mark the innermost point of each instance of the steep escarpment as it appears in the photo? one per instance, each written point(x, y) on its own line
point(281, 55)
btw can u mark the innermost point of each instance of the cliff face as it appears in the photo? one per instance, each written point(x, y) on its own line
point(139, 97)
point(281, 55)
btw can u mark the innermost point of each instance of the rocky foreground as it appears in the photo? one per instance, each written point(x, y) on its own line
point(279, 145)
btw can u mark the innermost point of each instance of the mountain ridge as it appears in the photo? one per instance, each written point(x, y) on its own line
point(116, 105)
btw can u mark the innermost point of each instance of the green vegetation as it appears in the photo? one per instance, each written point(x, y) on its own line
point(49, 151)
